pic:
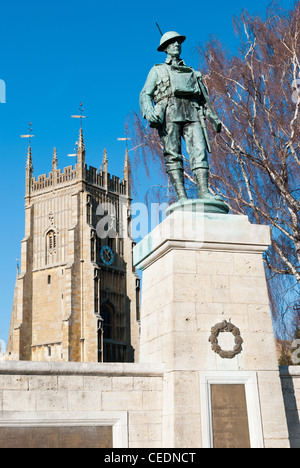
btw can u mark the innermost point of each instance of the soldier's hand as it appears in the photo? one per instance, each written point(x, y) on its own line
point(152, 117)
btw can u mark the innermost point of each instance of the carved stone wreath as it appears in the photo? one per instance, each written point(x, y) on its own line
point(226, 327)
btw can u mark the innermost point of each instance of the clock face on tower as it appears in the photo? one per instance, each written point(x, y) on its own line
point(107, 255)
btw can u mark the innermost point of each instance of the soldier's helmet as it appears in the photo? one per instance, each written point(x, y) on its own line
point(169, 37)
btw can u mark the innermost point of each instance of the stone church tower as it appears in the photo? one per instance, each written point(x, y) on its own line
point(77, 295)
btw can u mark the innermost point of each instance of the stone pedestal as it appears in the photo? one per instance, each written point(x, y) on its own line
point(201, 274)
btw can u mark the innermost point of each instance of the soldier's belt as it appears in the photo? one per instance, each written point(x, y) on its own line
point(161, 98)
point(192, 97)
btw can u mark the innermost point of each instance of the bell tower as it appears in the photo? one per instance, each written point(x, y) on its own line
point(77, 295)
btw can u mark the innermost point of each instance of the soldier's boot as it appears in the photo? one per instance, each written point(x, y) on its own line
point(201, 178)
point(177, 180)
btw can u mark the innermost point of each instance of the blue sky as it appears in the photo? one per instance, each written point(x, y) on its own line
point(56, 54)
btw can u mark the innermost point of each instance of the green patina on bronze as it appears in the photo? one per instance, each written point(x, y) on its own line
point(175, 100)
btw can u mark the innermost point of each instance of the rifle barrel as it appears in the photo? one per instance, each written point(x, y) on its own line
point(159, 29)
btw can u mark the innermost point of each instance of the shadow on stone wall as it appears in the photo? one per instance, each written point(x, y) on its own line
point(289, 390)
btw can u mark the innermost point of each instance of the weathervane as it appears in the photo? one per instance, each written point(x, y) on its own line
point(29, 136)
point(81, 116)
point(126, 137)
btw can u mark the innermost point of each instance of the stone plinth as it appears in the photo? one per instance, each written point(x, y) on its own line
point(200, 270)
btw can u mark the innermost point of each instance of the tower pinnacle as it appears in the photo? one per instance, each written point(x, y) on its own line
point(105, 160)
point(126, 165)
point(54, 160)
point(81, 147)
point(127, 173)
point(29, 164)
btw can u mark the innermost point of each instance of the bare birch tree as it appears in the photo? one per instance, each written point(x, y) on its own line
point(255, 162)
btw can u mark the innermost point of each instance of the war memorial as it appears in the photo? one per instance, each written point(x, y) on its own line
point(195, 364)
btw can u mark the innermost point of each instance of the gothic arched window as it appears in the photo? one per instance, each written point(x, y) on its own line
point(107, 314)
point(93, 245)
point(51, 243)
point(111, 340)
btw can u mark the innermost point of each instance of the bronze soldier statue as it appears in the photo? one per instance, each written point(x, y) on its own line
point(181, 106)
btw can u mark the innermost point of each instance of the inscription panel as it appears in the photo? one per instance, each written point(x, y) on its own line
point(56, 437)
point(229, 416)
